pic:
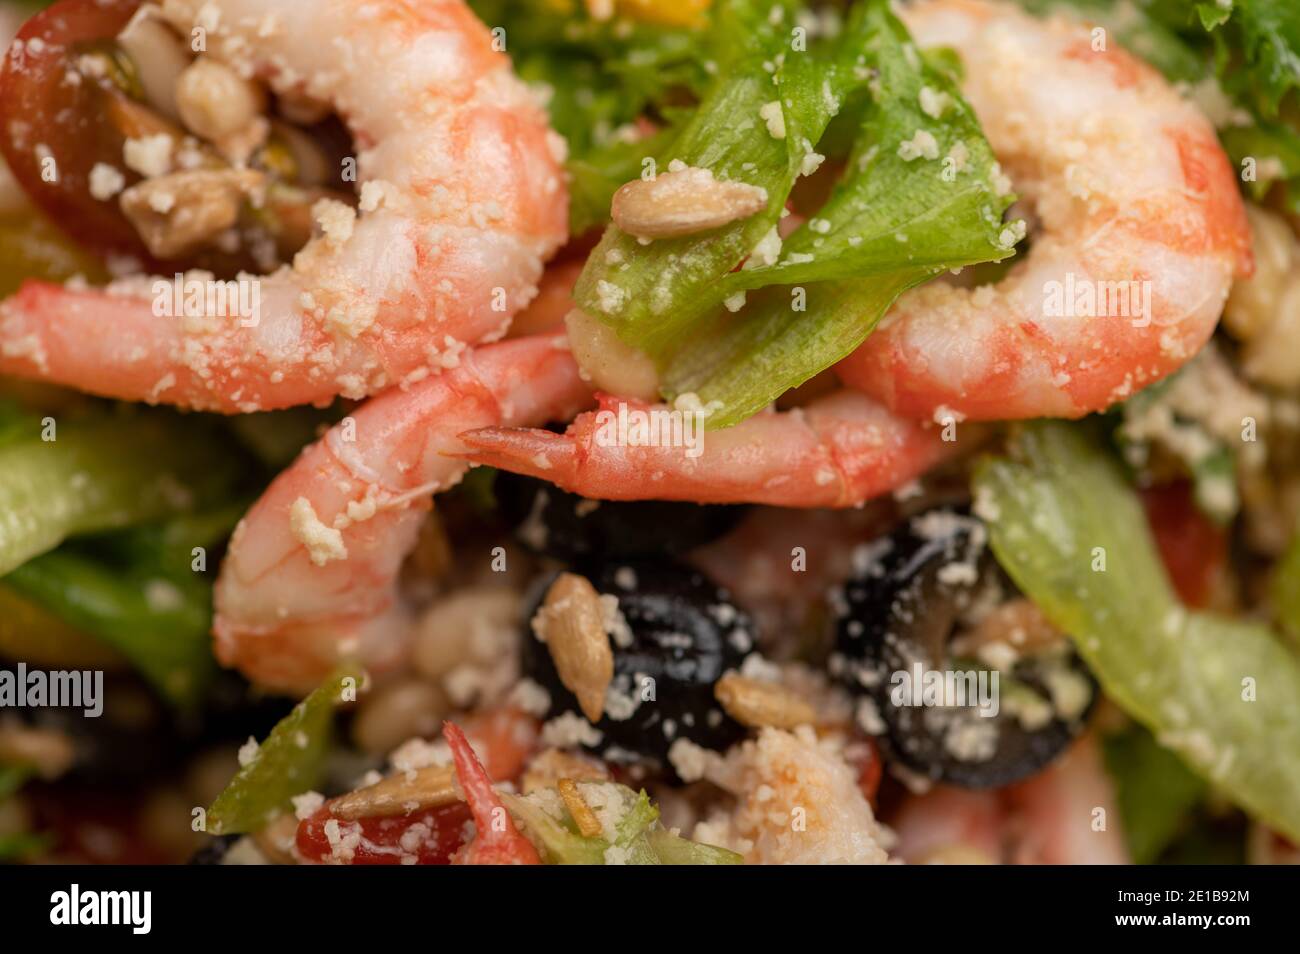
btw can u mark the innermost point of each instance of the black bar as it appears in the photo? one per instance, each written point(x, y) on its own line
point(333, 905)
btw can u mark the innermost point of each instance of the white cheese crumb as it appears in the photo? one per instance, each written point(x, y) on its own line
point(774, 116)
point(105, 181)
point(922, 143)
point(323, 543)
point(151, 156)
point(335, 220)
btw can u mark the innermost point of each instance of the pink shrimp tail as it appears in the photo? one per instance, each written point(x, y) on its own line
point(837, 452)
point(497, 841)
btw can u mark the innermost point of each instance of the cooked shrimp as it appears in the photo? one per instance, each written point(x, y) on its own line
point(1066, 814)
point(311, 574)
point(836, 452)
point(462, 198)
point(1138, 206)
point(496, 839)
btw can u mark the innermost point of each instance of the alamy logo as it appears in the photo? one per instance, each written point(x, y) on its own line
point(185, 296)
point(948, 688)
point(134, 908)
point(23, 688)
point(652, 427)
point(1086, 298)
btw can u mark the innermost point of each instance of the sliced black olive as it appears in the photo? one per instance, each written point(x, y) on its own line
point(555, 523)
point(910, 592)
point(682, 634)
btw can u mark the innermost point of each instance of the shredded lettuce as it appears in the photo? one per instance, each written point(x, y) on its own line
point(102, 474)
point(892, 222)
point(288, 763)
point(598, 78)
point(1257, 44)
point(638, 838)
point(1223, 694)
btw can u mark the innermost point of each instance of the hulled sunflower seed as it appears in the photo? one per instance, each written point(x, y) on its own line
point(762, 704)
point(571, 624)
point(586, 820)
point(683, 202)
point(400, 794)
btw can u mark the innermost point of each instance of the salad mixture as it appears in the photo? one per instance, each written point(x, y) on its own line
point(650, 431)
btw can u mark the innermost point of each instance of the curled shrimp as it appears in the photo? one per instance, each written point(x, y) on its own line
point(1066, 814)
point(838, 451)
point(462, 199)
point(1138, 207)
point(311, 574)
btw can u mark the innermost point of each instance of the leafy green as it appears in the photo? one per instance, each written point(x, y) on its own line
point(288, 763)
point(1285, 590)
point(560, 843)
point(637, 834)
point(103, 474)
point(892, 222)
point(599, 77)
point(662, 288)
point(22, 845)
point(1222, 694)
point(676, 850)
point(160, 623)
point(13, 777)
point(18, 845)
point(1157, 794)
point(1258, 44)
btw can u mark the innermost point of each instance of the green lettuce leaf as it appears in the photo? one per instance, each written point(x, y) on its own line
point(1157, 794)
point(651, 294)
point(288, 763)
point(676, 850)
point(598, 78)
point(1222, 694)
point(891, 224)
point(1258, 43)
point(102, 474)
point(1285, 590)
point(637, 833)
point(161, 623)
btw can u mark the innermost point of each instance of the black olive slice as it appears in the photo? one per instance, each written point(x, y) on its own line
point(682, 633)
point(909, 594)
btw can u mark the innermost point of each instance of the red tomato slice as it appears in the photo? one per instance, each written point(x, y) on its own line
point(54, 128)
point(1194, 550)
point(432, 837)
point(863, 755)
